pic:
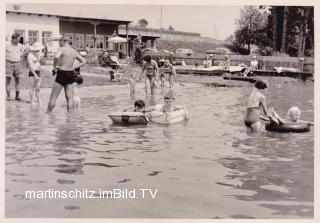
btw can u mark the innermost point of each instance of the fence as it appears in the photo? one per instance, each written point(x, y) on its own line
point(265, 62)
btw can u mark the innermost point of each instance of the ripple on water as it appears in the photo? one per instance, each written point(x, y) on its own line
point(210, 159)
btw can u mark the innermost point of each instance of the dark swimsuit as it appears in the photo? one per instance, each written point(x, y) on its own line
point(37, 72)
point(65, 77)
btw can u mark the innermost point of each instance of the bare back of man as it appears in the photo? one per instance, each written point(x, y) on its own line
point(63, 63)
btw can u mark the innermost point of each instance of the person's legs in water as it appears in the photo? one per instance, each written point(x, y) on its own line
point(152, 85)
point(37, 91)
point(8, 80)
point(32, 86)
point(163, 81)
point(55, 91)
point(75, 96)
point(170, 81)
point(17, 86)
point(132, 85)
point(147, 85)
point(256, 127)
point(68, 94)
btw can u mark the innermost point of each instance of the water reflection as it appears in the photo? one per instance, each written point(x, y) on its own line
point(210, 159)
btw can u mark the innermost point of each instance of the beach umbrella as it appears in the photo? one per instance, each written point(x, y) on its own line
point(117, 39)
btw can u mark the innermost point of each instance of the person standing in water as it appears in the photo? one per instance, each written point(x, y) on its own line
point(255, 101)
point(63, 68)
point(14, 52)
point(33, 63)
point(150, 72)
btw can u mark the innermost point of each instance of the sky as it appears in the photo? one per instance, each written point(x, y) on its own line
point(210, 21)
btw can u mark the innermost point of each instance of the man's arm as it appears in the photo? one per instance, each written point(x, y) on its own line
point(57, 55)
point(81, 60)
point(156, 70)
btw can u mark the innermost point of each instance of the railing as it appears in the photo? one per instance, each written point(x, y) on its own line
point(265, 62)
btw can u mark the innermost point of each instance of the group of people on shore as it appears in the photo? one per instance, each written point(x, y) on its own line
point(64, 67)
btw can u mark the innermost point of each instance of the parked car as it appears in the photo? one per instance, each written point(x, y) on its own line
point(222, 50)
point(210, 52)
point(164, 51)
point(187, 52)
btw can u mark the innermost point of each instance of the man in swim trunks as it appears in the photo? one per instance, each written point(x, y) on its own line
point(64, 69)
point(14, 52)
point(150, 72)
point(255, 101)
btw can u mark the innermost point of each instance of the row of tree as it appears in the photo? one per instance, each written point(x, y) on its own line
point(276, 29)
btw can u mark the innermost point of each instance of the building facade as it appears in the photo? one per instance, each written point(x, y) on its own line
point(82, 32)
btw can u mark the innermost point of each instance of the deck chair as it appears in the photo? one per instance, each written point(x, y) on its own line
point(120, 71)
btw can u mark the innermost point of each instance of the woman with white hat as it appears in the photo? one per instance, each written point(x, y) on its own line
point(33, 63)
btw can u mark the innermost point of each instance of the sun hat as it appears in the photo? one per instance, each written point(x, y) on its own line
point(15, 35)
point(36, 46)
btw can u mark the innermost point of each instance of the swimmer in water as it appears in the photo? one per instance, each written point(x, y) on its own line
point(255, 101)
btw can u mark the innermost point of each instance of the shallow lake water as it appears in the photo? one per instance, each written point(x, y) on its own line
point(207, 167)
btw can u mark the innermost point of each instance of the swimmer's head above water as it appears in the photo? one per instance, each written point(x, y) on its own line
point(139, 105)
point(147, 58)
point(294, 114)
point(260, 84)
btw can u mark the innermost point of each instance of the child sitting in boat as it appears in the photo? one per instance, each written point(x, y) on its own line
point(293, 116)
point(139, 106)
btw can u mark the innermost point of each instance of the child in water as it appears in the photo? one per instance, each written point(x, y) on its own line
point(293, 115)
point(139, 106)
point(168, 106)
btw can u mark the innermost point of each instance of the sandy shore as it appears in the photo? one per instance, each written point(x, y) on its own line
point(97, 76)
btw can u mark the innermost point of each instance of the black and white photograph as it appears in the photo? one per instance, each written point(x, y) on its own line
point(159, 111)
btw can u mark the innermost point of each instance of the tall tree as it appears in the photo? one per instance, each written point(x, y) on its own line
point(251, 20)
point(284, 30)
point(143, 23)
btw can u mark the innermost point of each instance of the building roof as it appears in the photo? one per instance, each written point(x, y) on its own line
point(75, 18)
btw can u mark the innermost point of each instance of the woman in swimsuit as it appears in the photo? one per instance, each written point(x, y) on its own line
point(150, 72)
point(255, 101)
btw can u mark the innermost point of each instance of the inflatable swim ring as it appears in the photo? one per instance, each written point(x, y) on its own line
point(288, 127)
point(167, 118)
point(128, 118)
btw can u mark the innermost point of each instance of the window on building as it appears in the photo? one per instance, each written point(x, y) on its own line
point(100, 41)
point(109, 46)
point(79, 41)
point(22, 33)
point(33, 36)
point(89, 40)
point(46, 38)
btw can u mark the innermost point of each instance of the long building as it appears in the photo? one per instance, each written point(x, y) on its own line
point(36, 27)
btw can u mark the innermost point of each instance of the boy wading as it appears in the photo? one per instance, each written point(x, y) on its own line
point(64, 69)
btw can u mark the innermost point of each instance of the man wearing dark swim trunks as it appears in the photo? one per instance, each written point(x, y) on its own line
point(64, 69)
